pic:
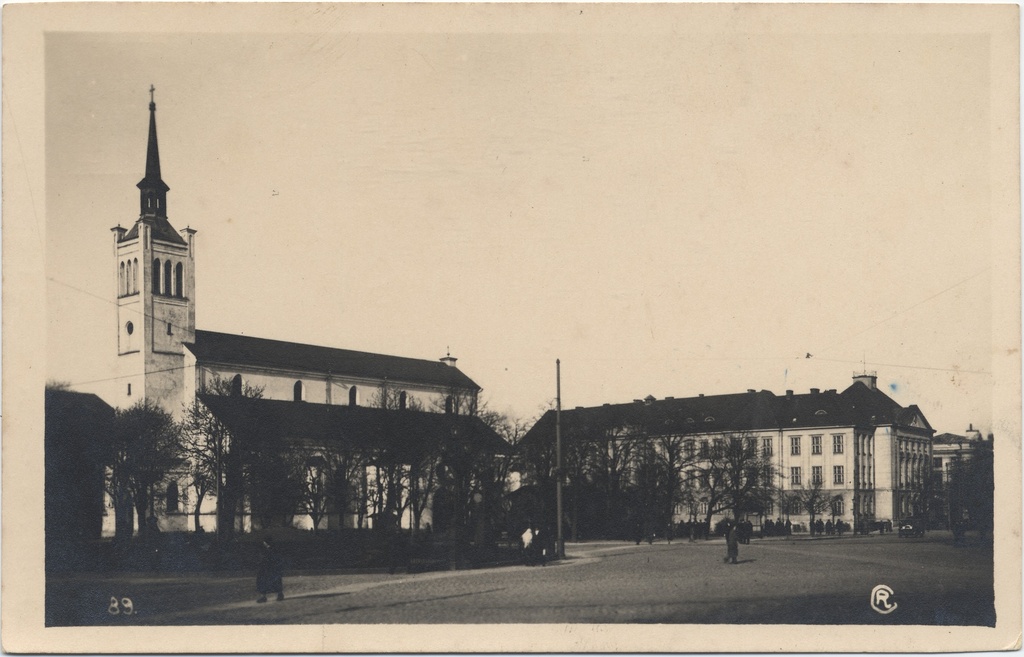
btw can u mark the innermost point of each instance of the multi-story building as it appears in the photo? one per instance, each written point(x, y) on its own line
point(869, 456)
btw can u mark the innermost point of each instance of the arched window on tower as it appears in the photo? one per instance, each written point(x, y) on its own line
point(353, 396)
point(179, 279)
point(299, 392)
point(121, 281)
point(129, 277)
point(167, 278)
point(156, 275)
point(236, 385)
point(135, 276)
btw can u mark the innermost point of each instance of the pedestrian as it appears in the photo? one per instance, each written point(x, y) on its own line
point(828, 528)
point(527, 539)
point(270, 573)
point(732, 544)
point(789, 527)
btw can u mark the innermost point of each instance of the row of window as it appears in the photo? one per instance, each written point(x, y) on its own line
point(172, 281)
point(128, 277)
point(767, 448)
point(795, 475)
point(795, 443)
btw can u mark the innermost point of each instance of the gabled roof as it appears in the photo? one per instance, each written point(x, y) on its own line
point(162, 230)
point(858, 405)
point(351, 427)
point(244, 351)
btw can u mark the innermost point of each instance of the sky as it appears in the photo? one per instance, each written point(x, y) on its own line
point(703, 209)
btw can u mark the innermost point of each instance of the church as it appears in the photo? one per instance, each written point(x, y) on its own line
point(314, 396)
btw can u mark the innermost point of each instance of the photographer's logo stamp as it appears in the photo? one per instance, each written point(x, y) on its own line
point(881, 599)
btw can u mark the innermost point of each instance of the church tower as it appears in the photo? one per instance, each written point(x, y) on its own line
point(154, 270)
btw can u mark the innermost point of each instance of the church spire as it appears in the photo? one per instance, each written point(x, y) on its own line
point(153, 190)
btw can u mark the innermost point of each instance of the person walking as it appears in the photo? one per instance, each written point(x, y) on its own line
point(527, 539)
point(270, 573)
point(732, 544)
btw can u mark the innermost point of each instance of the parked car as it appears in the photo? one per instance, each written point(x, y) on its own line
point(911, 527)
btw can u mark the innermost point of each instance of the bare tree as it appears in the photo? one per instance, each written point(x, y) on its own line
point(143, 449)
point(207, 448)
point(734, 476)
point(813, 500)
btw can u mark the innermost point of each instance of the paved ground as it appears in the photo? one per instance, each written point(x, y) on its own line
point(776, 581)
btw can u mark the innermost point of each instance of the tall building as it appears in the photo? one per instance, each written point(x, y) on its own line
point(162, 358)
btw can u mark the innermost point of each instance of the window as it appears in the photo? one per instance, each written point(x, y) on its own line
point(690, 448)
point(156, 276)
point(352, 396)
point(236, 385)
point(838, 508)
point(937, 463)
point(704, 449)
point(794, 476)
point(751, 446)
point(129, 328)
point(167, 278)
point(172, 497)
point(449, 404)
point(837, 474)
point(179, 279)
point(719, 445)
point(129, 390)
point(815, 444)
point(401, 400)
point(121, 281)
point(837, 444)
point(134, 278)
point(769, 508)
point(766, 447)
point(169, 331)
point(298, 392)
point(815, 475)
point(794, 445)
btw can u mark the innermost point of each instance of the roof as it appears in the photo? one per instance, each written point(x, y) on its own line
point(351, 427)
point(67, 406)
point(245, 351)
point(162, 230)
point(949, 439)
point(858, 405)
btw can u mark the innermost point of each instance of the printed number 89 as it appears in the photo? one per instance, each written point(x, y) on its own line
point(124, 606)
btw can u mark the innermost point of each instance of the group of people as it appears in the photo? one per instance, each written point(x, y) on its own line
point(828, 528)
point(777, 527)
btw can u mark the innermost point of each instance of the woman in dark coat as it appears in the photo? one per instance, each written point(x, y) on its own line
point(269, 575)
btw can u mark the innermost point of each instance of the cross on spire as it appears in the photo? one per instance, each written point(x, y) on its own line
point(151, 90)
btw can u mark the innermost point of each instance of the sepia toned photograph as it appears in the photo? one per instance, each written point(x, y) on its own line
point(511, 328)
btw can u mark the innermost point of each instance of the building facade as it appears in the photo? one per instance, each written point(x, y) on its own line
point(869, 457)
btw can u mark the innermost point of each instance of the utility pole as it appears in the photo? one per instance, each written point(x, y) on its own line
point(560, 541)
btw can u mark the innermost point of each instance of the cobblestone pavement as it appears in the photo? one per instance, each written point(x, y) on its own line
point(775, 581)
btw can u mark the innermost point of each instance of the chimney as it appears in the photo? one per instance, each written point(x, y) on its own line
point(701, 394)
point(815, 391)
point(870, 379)
point(751, 390)
point(789, 394)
